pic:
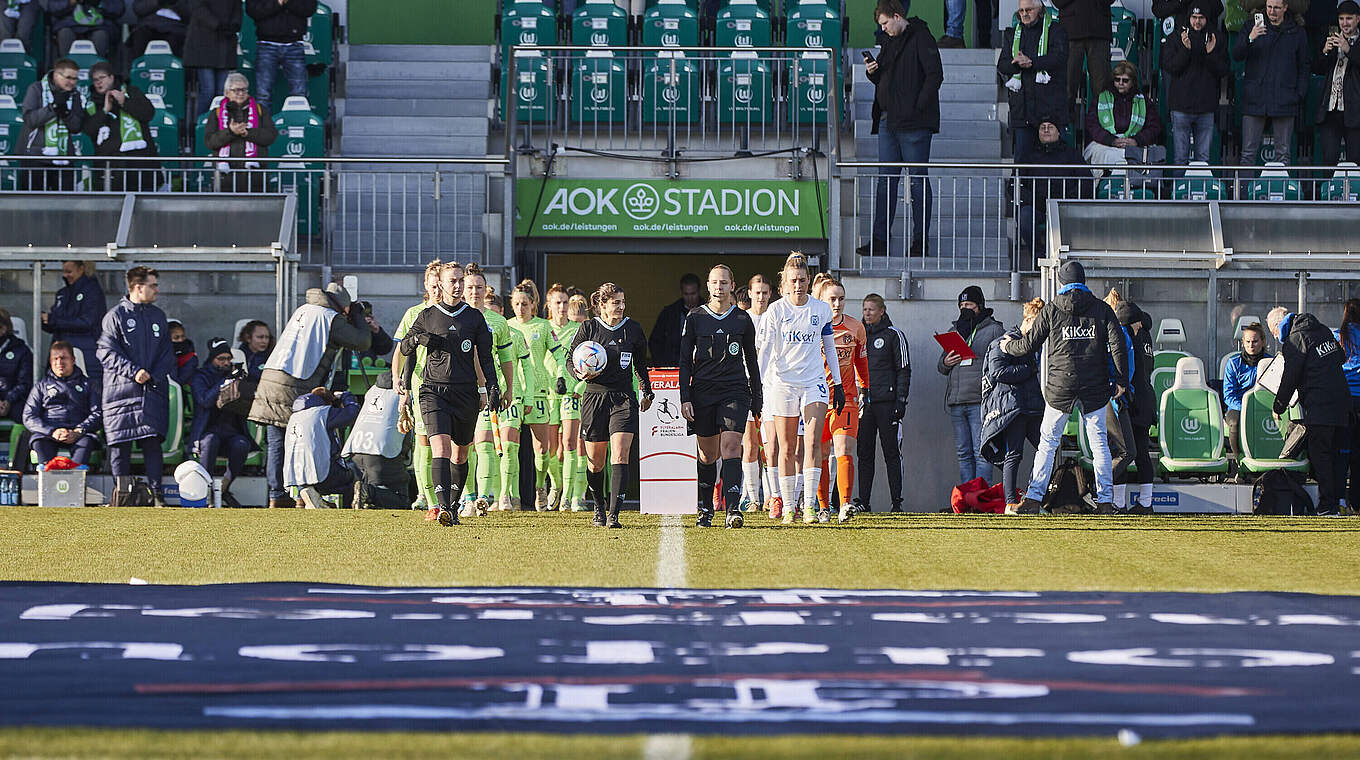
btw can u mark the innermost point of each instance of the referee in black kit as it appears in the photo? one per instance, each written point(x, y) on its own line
point(450, 330)
point(719, 386)
point(609, 407)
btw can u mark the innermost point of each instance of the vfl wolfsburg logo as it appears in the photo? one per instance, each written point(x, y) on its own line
point(1190, 425)
point(1270, 426)
point(670, 94)
point(641, 201)
point(599, 95)
point(63, 486)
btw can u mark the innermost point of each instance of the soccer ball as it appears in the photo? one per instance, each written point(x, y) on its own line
point(589, 359)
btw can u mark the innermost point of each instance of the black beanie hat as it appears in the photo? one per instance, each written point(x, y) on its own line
point(217, 347)
point(1128, 312)
point(973, 293)
point(1071, 272)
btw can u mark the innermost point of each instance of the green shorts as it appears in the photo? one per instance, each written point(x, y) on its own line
point(536, 411)
point(510, 417)
point(554, 409)
point(571, 407)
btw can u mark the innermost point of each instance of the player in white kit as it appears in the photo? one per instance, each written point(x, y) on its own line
point(794, 343)
point(759, 433)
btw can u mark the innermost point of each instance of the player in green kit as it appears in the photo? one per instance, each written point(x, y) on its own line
point(569, 389)
point(421, 456)
point(538, 337)
point(555, 308)
point(493, 467)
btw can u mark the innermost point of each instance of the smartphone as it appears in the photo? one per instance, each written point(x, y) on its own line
point(1260, 19)
point(868, 57)
point(1333, 30)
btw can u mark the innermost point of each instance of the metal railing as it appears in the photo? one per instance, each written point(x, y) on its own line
point(354, 212)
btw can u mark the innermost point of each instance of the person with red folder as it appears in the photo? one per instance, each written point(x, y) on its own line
point(961, 362)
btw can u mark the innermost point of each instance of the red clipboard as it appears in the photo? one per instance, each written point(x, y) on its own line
point(952, 341)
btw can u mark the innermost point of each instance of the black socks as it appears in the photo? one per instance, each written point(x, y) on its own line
point(441, 468)
point(708, 474)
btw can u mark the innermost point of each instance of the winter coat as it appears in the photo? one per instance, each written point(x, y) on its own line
point(210, 41)
point(1351, 345)
point(965, 378)
point(1238, 378)
point(150, 20)
point(16, 373)
point(1143, 411)
point(263, 135)
point(1081, 335)
point(1085, 19)
point(75, 317)
point(907, 82)
point(1313, 360)
point(61, 14)
point(186, 362)
point(273, 403)
point(254, 361)
point(1194, 76)
point(63, 402)
point(1150, 134)
point(281, 23)
point(1036, 102)
point(889, 362)
point(37, 116)
point(1276, 79)
point(664, 345)
point(206, 383)
point(1350, 85)
point(1038, 185)
point(1180, 9)
point(135, 337)
point(1010, 388)
point(104, 124)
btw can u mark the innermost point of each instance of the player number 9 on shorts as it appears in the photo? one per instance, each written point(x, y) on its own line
point(589, 359)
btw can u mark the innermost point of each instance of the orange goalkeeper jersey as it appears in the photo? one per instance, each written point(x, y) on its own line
point(852, 351)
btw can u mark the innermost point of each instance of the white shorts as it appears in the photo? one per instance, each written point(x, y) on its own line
point(782, 400)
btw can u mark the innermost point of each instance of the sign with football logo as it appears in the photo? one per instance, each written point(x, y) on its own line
point(667, 467)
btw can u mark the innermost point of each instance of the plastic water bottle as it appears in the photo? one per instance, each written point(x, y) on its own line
point(8, 497)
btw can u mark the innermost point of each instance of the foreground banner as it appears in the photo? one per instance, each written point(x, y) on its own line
point(669, 208)
point(666, 451)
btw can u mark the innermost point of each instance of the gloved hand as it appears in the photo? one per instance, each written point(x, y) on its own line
point(757, 402)
point(837, 398)
point(863, 398)
point(431, 341)
point(493, 396)
point(561, 387)
point(899, 410)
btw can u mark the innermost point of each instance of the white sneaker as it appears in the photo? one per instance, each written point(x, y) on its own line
point(809, 514)
point(481, 506)
point(554, 497)
point(847, 512)
point(467, 511)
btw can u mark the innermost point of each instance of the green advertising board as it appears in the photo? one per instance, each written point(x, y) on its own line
point(670, 208)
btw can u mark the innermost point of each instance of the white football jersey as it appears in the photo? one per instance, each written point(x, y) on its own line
point(790, 342)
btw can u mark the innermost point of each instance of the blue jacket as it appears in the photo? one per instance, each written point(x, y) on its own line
point(135, 337)
point(186, 362)
point(254, 360)
point(1010, 388)
point(338, 417)
point(1351, 345)
point(205, 384)
point(16, 373)
point(63, 402)
point(1238, 378)
point(75, 318)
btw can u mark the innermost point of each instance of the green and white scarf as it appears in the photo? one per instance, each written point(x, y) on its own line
point(56, 137)
point(88, 16)
point(1105, 112)
point(1014, 83)
point(130, 134)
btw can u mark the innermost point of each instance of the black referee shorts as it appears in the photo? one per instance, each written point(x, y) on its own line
point(720, 415)
point(450, 410)
point(604, 414)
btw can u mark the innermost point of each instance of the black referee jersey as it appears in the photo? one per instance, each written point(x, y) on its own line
point(626, 347)
point(453, 332)
point(717, 355)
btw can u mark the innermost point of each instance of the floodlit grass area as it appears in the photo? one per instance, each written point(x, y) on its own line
point(1221, 553)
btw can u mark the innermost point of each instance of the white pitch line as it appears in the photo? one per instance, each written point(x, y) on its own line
point(670, 573)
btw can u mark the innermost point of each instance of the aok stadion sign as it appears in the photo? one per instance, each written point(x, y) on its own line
point(670, 208)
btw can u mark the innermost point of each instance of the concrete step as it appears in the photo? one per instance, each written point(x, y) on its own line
point(969, 74)
point(432, 126)
point(398, 107)
point(941, 148)
point(424, 70)
point(969, 130)
point(968, 57)
point(960, 110)
point(438, 53)
point(975, 93)
point(431, 145)
point(468, 89)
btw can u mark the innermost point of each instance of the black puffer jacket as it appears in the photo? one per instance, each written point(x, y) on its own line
point(1143, 410)
point(1034, 101)
point(907, 82)
point(210, 41)
point(1082, 337)
point(1194, 76)
point(281, 23)
point(1312, 366)
point(1085, 19)
point(889, 362)
point(1010, 388)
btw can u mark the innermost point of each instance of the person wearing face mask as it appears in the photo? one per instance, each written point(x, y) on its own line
point(1121, 118)
point(963, 390)
point(1338, 116)
point(218, 430)
point(1239, 377)
point(1195, 60)
point(1275, 84)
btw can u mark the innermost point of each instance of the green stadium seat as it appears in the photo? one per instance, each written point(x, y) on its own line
point(1242, 322)
point(1262, 438)
point(1274, 184)
point(670, 23)
point(1344, 184)
point(810, 88)
point(1117, 186)
point(1190, 422)
point(246, 39)
point(670, 90)
point(11, 122)
point(1124, 33)
point(742, 23)
point(172, 448)
point(18, 70)
point(533, 89)
point(1170, 332)
point(813, 23)
point(600, 23)
point(85, 56)
point(301, 135)
point(598, 85)
point(527, 22)
point(159, 72)
point(744, 90)
point(320, 37)
point(1198, 185)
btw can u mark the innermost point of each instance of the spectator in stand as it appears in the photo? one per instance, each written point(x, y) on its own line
point(302, 361)
point(1239, 377)
point(963, 390)
point(210, 47)
point(1121, 118)
point(1013, 406)
point(217, 430)
point(1340, 65)
point(1313, 361)
point(77, 313)
point(954, 13)
point(280, 26)
point(907, 76)
point(1195, 60)
point(1349, 338)
point(53, 111)
point(1038, 185)
point(378, 446)
point(119, 122)
point(1275, 85)
point(664, 345)
point(93, 20)
point(240, 127)
point(17, 19)
point(889, 386)
point(134, 346)
point(255, 341)
point(1088, 35)
point(312, 462)
point(186, 358)
point(1033, 65)
point(159, 20)
point(63, 409)
point(16, 370)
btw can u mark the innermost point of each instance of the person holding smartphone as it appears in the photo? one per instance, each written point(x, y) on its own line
point(1275, 84)
point(1340, 64)
point(1195, 61)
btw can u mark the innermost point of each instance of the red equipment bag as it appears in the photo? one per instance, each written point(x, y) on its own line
point(977, 496)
